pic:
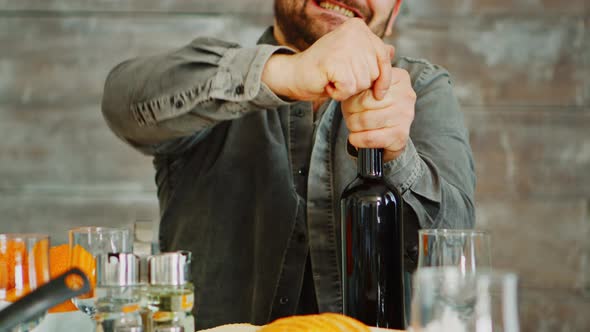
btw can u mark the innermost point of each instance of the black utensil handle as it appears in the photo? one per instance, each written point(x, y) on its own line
point(42, 299)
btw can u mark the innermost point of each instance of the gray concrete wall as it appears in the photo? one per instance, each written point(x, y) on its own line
point(521, 69)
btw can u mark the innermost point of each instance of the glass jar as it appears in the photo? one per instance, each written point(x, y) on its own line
point(118, 293)
point(170, 292)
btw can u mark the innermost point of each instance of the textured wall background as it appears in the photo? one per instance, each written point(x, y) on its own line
point(521, 69)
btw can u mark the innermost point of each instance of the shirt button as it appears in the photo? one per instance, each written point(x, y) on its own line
point(299, 113)
point(302, 171)
point(239, 89)
point(283, 300)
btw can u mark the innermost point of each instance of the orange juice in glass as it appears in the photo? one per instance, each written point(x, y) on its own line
point(24, 266)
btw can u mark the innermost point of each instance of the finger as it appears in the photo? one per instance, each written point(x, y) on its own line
point(391, 139)
point(400, 76)
point(378, 138)
point(343, 86)
point(362, 75)
point(370, 120)
point(382, 83)
point(354, 104)
point(373, 68)
point(365, 101)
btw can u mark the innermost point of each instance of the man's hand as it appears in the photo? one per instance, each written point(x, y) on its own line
point(341, 64)
point(382, 123)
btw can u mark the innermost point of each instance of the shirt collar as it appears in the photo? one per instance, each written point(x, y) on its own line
point(268, 37)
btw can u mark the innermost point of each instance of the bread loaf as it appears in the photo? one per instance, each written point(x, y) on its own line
point(233, 328)
point(326, 322)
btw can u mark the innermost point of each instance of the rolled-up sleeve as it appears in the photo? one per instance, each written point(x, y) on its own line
point(151, 100)
point(435, 173)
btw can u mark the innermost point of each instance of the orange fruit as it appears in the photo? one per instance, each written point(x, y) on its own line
point(12, 295)
point(61, 260)
point(13, 258)
point(84, 260)
point(14, 267)
point(59, 257)
point(42, 266)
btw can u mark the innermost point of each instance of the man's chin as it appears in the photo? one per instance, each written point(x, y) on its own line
point(323, 27)
point(306, 34)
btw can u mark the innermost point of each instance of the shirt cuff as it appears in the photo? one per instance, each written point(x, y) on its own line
point(403, 171)
point(239, 77)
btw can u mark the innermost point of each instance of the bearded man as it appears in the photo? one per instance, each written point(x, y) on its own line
point(254, 145)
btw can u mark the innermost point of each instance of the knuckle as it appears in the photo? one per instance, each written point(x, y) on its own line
point(401, 74)
point(350, 118)
point(408, 112)
point(370, 139)
point(350, 124)
point(349, 90)
point(363, 121)
point(400, 138)
point(364, 84)
point(346, 88)
point(366, 99)
point(390, 121)
point(347, 106)
point(411, 115)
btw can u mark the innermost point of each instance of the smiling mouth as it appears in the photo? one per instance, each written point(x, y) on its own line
point(338, 8)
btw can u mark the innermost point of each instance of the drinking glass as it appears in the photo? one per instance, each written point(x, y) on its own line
point(24, 266)
point(448, 300)
point(86, 243)
point(468, 250)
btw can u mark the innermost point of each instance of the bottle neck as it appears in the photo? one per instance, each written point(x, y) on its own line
point(370, 163)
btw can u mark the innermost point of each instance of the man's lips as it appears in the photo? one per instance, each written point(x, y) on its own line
point(339, 8)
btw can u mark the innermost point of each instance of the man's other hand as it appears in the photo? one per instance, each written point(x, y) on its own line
point(341, 64)
point(382, 123)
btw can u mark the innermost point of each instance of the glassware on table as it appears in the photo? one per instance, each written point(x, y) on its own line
point(448, 300)
point(468, 250)
point(24, 266)
point(86, 243)
point(170, 294)
point(118, 292)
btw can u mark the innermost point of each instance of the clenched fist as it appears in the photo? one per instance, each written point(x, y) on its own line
point(382, 123)
point(341, 64)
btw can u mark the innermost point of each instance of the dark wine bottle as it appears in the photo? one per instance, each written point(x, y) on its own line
point(372, 246)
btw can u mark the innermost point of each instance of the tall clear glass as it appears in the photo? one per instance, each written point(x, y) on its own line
point(24, 266)
point(448, 300)
point(86, 243)
point(468, 250)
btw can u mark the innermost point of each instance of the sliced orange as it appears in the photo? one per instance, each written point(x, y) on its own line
point(12, 295)
point(60, 262)
point(84, 260)
point(13, 257)
point(14, 265)
point(41, 261)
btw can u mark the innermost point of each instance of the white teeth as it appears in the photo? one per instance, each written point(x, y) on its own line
point(336, 8)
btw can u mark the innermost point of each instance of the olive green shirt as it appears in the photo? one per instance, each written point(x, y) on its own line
point(250, 183)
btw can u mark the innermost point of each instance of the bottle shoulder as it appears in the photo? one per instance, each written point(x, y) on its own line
point(369, 187)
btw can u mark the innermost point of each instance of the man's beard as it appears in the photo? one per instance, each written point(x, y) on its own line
point(298, 29)
point(301, 31)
